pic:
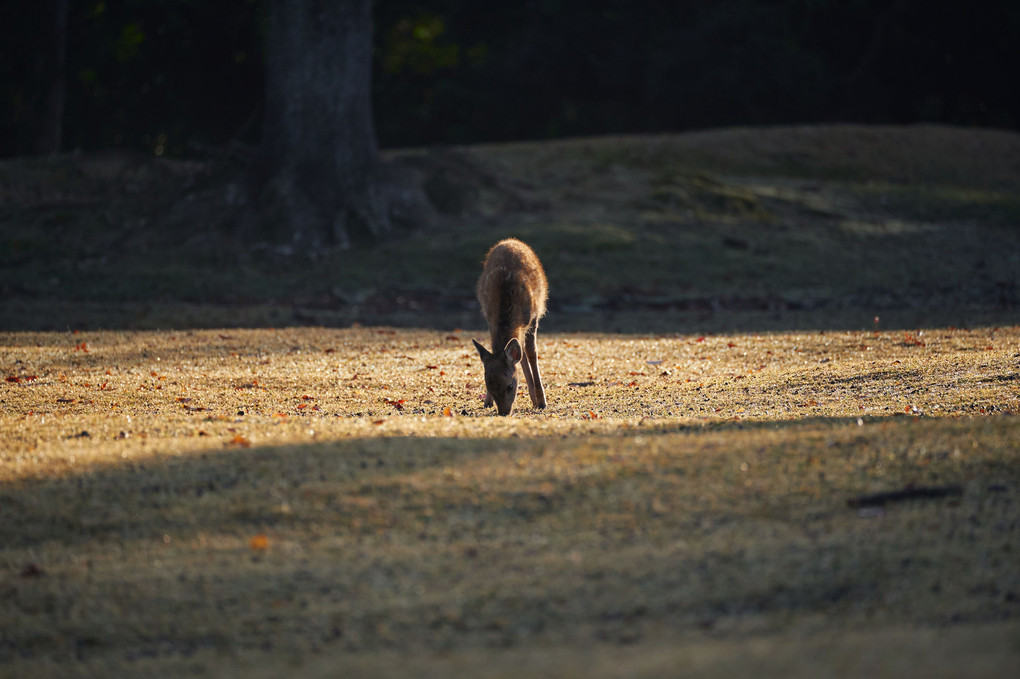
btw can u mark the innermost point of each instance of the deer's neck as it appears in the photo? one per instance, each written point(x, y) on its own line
point(502, 334)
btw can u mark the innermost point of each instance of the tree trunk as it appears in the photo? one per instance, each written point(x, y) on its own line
point(317, 180)
point(52, 85)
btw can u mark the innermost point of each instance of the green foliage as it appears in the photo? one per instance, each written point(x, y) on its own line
point(418, 46)
point(129, 43)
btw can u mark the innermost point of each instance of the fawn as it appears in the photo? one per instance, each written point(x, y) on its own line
point(512, 291)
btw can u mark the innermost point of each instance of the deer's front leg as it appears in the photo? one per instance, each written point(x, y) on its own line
point(528, 377)
point(535, 387)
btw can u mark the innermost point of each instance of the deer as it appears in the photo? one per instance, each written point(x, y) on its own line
point(512, 291)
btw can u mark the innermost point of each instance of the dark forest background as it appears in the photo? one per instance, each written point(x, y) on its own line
point(177, 77)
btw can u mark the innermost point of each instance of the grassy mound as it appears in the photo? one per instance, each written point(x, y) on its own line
point(734, 229)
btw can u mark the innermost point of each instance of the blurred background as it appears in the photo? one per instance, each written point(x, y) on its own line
point(174, 77)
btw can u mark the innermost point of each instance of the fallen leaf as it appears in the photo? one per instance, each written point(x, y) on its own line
point(447, 412)
point(259, 542)
point(239, 440)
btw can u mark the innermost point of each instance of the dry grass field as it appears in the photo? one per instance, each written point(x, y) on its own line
point(783, 372)
point(314, 498)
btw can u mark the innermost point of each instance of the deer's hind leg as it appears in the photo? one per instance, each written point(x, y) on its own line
point(530, 365)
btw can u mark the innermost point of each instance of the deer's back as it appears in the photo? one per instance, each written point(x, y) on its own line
point(512, 289)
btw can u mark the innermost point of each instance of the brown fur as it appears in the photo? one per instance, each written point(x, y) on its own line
point(512, 291)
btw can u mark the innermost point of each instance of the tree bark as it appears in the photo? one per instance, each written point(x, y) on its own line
point(317, 180)
point(52, 68)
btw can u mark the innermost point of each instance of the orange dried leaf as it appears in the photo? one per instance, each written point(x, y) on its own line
point(239, 440)
point(396, 403)
point(259, 542)
point(447, 412)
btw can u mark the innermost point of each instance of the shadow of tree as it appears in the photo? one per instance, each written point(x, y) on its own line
point(413, 543)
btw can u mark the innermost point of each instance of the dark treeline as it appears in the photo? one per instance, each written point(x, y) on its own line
point(175, 76)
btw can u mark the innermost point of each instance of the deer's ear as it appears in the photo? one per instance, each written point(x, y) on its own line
point(513, 351)
point(482, 351)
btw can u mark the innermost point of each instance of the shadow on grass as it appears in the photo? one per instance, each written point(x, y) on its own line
point(420, 543)
point(703, 317)
point(239, 490)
